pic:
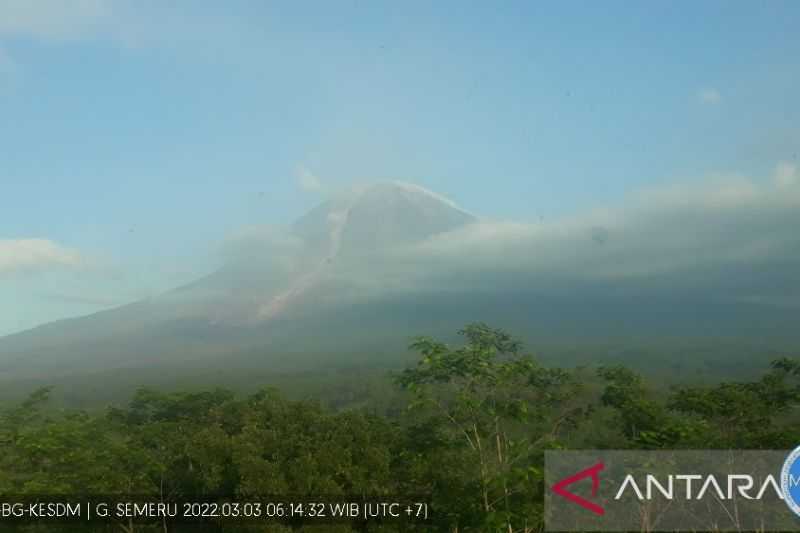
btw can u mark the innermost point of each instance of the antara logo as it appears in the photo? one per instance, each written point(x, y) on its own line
point(593, 472)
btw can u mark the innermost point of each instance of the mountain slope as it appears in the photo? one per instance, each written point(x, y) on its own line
point(360, 274)
point(234, 308)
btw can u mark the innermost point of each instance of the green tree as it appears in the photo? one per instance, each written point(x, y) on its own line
point(501, 409)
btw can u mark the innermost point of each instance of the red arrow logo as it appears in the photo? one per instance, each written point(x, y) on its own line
point(592, 472)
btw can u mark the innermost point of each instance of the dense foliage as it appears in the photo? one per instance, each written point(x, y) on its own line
point(469, 436)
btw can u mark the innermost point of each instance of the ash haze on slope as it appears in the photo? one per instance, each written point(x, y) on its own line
point(376, 264)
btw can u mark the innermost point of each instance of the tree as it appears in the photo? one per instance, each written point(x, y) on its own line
point(502, 409)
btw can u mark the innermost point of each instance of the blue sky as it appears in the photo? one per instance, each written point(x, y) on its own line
point(139, 135)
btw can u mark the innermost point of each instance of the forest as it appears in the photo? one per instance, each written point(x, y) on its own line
point(464, 430)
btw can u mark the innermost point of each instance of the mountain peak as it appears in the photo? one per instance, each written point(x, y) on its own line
point(406, 188)
point(377, 215)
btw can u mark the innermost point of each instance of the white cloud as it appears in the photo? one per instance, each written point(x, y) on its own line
point(786, 174)
point(715, 224)
point(53, 19)
point(24, 255)
point(127, 23)
point(731, 239)
point(307, 180)
point(709, 95)
point(273, 250)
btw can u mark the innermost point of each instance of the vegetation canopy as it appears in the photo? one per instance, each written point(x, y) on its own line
point(467, 431)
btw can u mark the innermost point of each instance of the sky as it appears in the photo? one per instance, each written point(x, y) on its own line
point(137, 136)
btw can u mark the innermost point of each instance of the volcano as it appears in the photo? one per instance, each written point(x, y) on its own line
point(358, 276)
point(259, 301)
